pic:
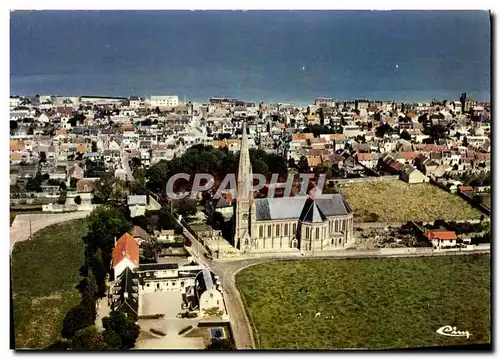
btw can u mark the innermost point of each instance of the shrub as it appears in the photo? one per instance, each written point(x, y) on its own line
point(156, 331)
point(185, 329)
point(152, 316)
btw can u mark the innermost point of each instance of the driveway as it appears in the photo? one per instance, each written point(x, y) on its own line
point(20, 229)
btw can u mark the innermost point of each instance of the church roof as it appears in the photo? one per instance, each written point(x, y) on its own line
point(311, 212)
point(326, 205)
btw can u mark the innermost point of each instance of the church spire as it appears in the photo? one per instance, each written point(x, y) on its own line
point(245, 168)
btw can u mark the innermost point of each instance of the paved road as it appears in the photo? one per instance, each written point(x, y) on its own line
point(20, 229)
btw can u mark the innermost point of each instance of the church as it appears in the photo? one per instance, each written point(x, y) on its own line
point(307, 223)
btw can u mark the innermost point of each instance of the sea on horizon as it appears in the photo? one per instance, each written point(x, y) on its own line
point(278, 56)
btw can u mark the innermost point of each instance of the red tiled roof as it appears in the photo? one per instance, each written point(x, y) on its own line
point(465, 188)
point(126, 247)
point(443, 235)
point(364, 156)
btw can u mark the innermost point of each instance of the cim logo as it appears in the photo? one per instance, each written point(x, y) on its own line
point(450, 331)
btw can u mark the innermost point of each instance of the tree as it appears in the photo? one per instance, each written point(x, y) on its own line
point(150, 249)
point(186, 208)
point(99, 272)
point(109, 188)
point(112, 339)
point(124, 326)
point(77, 318)
point(78, 200)
point(303, 165)
point(62, 198)
point(88, 338)
point(220, 344)
point(105, 223)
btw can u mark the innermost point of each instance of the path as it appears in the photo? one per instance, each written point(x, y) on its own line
point(20, 229)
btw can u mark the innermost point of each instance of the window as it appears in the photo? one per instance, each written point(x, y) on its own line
point(173, 283)
point(182, 284)
point(317, 233)
point(217, 302)
point(294, 228)
point(261, 231)
point(336, 226)
point(269, 230)
point(277, 230)
point(286, 229)
point(147, 285)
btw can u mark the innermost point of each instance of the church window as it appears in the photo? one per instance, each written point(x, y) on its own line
point(269, 230)
point(317, 233)
point(307, 232)
point(336, 226)
point(294, 228)
point(340, 240)
point(286, 229)
point(343, 225)
point(277, 230)
point(261, 231)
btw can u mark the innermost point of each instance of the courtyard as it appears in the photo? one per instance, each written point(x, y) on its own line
point(397, 201)
point(367, 303)
point(167, 303)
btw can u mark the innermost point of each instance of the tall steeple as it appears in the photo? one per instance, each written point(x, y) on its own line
point(245, 203)
point(245, 168)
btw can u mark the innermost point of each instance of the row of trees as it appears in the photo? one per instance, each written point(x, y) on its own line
point(217, 162)
point(105, 224)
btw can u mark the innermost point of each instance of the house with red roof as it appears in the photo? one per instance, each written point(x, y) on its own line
point(125, 254)
point(441, 239)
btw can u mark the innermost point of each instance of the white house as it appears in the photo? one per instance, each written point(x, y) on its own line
point(164, 101)
point(441, 239)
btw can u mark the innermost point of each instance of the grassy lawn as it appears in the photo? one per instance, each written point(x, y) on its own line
point(397, 201)
point(367, 303)
point(44, 273)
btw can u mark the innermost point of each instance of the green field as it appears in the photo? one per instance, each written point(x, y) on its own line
point(367, 303)
point(44, 273)
point(397, 201)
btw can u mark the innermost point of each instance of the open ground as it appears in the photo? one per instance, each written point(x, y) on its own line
point(397, 201)
point(367, 303)
point(44, 272)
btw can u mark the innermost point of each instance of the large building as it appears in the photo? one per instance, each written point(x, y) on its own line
point(164, 101)
point(306, 223)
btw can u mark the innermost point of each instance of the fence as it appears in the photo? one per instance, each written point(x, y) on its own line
point(475, 204)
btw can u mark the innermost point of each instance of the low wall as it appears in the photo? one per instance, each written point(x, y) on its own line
point(406, 250)
point(368, 225)
point(341, 181)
